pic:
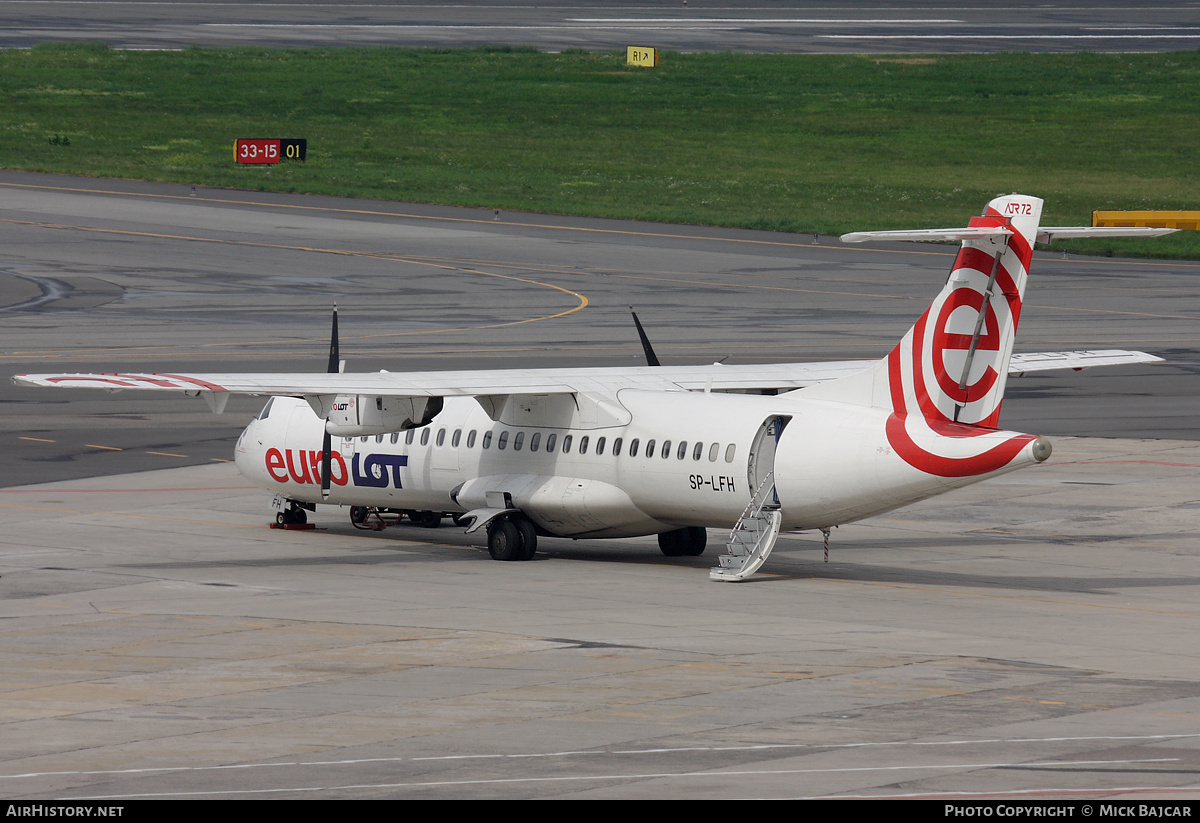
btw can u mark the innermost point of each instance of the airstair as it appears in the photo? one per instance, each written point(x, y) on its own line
point(753, 537)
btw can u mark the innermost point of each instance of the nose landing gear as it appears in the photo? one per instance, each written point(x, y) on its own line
point(291, 515)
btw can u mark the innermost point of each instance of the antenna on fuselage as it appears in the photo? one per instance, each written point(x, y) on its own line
point(334, 367)
point(651, 357)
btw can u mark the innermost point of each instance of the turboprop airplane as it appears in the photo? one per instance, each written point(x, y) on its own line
point(672, 451)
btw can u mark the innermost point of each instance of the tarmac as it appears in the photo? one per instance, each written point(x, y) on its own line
point(1030, 636)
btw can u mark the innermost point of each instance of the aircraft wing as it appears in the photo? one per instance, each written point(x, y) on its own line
point(465, 383)
point(757, 378)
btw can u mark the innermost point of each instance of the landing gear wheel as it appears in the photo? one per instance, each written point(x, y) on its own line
point(358, 517)
point(528, 538)
point(697, 539)
point(685, 542)
point(299, 516)
point(671, 544)
point(282, 519)
point(504, 540)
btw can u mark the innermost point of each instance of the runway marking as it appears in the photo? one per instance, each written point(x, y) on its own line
point(167, 454)
point(707, 773)
point(800, 747)
point(582, 300)
point(798, 20)
point(37, 439)
point(105, 448)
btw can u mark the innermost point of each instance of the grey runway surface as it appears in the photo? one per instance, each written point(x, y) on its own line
point(1030, 635)
point(843, 27)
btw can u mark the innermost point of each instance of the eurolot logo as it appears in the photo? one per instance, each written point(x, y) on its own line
point(303, 466)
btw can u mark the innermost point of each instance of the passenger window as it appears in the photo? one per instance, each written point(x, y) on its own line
point(681, 452)
point(395, 438)
point(633, 444)
point(649, 448)
point(471, 439)
point(566, 444)
point(425, 437)
point(379, 438)
point(408, 436)
point(363, 438)
point(617, 447)
point(729, 453)
point(441, 438)
point(454, 441)
point(599, 445)
point(487, 440)
point(503, 441)
point(712, 452)
point(698, 451)
point(535, 441)
point(551, 439)
point(666, 452)
point(518, 441)
point(583, 441)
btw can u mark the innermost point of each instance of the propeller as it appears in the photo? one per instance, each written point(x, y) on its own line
point(651, 357)
point(327, 444)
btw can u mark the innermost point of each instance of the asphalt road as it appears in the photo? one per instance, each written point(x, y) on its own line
point(843, 27)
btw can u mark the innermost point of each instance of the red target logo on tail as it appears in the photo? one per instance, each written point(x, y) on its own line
point(946, 391)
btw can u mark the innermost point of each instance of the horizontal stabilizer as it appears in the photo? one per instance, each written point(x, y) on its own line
point(1048, 233)
point(1051, 360)
point(1044, 235)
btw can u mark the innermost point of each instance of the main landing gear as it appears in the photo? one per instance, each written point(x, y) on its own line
point(370, 518)
point(685, 542)
point(512, 537)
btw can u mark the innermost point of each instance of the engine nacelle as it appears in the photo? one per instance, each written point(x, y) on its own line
point(353, 415)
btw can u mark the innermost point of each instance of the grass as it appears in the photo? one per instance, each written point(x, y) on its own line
point(786, 142)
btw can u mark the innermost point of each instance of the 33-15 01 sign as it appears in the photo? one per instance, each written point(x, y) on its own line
point(269, 150)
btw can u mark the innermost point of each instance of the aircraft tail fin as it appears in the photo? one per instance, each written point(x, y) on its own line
point(952, 365)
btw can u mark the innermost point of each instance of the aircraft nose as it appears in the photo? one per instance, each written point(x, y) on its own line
point(248, 451)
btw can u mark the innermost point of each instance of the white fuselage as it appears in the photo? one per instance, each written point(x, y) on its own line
point(673, 459)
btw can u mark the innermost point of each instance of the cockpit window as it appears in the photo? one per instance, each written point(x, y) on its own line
point(262, 415)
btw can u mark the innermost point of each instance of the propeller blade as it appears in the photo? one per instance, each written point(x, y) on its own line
point(334, 356)
point(327, 443)
point(326, 464)
point(651, 357)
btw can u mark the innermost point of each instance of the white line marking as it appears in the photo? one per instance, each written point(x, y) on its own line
point(623, 752)
point(633, 776)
